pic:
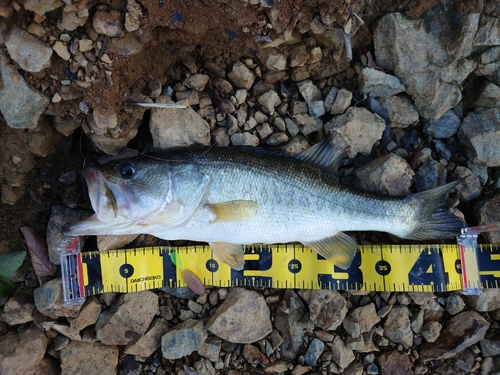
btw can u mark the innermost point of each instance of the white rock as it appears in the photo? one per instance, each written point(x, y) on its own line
point(30, 53)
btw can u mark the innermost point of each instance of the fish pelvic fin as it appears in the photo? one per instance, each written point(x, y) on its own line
point(435, 220)
point(339, 249)
point(229, 253)
point(238, 210)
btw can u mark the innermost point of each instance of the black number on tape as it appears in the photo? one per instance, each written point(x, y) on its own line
point(126, 270)
point(429, 270)
point(383, 268)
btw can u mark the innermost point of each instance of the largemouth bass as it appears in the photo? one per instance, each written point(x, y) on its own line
point(233, 196)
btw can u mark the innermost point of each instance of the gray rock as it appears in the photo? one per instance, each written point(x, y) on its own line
point(49, 300)
point(330, 98)
point(43, 140)
point(127, 319)
point(378, 83)
point(431, 330)
point(480, 133)
point(22, 352)
point(133, 16)
point(272, 59)
point(461, 331)
point(291, 127)
point(313, 352)
point(404, 45)
point(183, 339)
point(352, 327)
point(56, 241)
point(254, 356)
point(488, 97)
point(177, 127)
point(342, 102)
point(397, 326)
point(289, 323)
point(395, 363)
point(197, 82)
point(29, 52)
point(316, 108)
point(309, 91)
point(417, 321)
point(211, 348)
point(454, 304)
point(470, 187)
point(488, 301)
point(270, 100)
point(354, 122)
point(109, 24)
point(277, 139)
point(89, 313)
point(389, 174)
point(488, 212)
point(220, 137)
point(488, 34)
point(341, 354)
point(244, 139)
point(402, 112)
point(261, 117)
point(241, 76)
point(242, 318)
point(366, 316)
point(296, 145)
point(75, 15)
point(151, 340)
point(43, 6)
point(182, 292)
point(89, 358)
point(188, 98)
point(327, 308)
point(490, 347)
point(355, 368)
point(430, 175)
point(443, 151)
point(264, 130)
point(444, 127)
point(18, 309)
point(20, 104)
point(298, 56)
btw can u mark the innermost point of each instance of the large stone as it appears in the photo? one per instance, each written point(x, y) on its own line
point(389, 174)
point(461, 331)
point(488, 33)
point(488, 212)
point(151, 340)
point(29, 52)
point(327, 308)
point(366, 316)
point(22, 352)
point(354, 122)
point(289, 323)
point(183, 339)
point(242, 76)
point(444, 127)
point(397, 326)
point(401, 111)
point(49, 300)
point(177, 127)
point(20, 104)
point(89, 358)
point(243, 317)
point(480, 133)
point(341, 354)
point(380, 84)
point(128, 319)
point(428, 56)
point(18, 309)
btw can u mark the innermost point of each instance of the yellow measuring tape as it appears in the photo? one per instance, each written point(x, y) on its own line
point(381, 268)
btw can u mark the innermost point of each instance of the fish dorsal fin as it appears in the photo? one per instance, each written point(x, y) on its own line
point(229, 253)
point(339, 249)
point(238, 210)
point(327, 153)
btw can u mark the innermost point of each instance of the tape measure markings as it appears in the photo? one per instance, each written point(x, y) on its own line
point(389, 268)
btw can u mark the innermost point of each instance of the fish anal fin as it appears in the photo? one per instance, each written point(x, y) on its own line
point(339, 249)
point(230, 254)
point(238, 210)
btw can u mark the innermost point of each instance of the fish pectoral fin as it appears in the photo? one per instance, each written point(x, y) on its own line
point(238, 210)
point(229, 253)
point(339, 249)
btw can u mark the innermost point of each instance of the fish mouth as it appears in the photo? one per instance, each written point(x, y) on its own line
point(101, 196)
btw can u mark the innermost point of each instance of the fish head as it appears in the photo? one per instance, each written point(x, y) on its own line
point(133, 195)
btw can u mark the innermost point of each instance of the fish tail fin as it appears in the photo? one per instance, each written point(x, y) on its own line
point(434, 220)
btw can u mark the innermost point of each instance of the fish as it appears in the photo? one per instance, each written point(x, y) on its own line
point(234, 196)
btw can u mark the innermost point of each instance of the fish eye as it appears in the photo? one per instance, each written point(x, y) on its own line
point(127, 170)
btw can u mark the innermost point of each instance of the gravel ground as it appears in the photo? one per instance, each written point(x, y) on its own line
point(412, 87)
